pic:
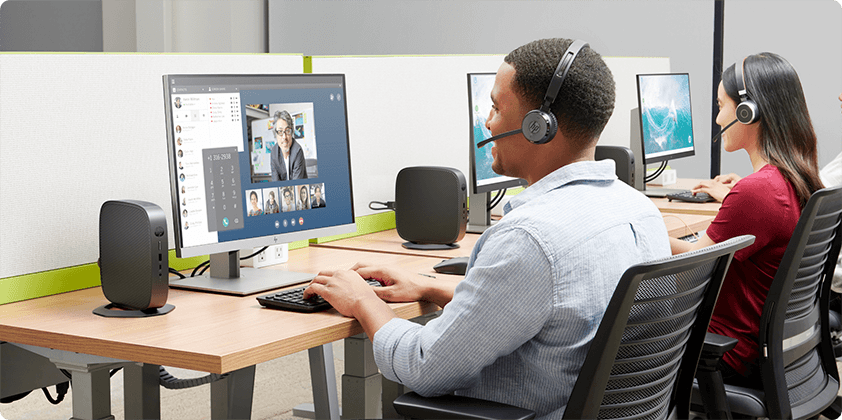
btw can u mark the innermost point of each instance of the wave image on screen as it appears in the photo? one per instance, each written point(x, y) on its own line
point(481, 101)
point(665, 114)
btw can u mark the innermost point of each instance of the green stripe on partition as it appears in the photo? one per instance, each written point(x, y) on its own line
point(308, 64)
point(365, 225)
point(30, 286)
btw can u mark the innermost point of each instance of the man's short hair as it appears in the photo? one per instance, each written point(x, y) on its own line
point(281, 115)
point(586, 99)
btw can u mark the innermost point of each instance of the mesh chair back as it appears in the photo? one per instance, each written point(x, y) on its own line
point(797, 363)
point(643, 358)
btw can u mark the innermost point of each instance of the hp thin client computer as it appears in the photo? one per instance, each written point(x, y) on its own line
point(661, 126)
point(255, 160)
point(483, 179)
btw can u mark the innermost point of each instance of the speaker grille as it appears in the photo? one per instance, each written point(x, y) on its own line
point(127, 262)
point(430, 205)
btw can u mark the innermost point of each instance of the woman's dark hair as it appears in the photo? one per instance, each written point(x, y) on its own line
point(586, 99)
point(787, 138)
point(253, 194)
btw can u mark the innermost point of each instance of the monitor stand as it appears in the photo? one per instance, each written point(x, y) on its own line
point(227, 277)
point(479, 218)
point(636, 144)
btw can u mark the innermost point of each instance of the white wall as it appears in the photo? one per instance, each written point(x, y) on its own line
point(807, 32)
point(809, 35)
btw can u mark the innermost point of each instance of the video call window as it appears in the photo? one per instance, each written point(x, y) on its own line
point(283, 146)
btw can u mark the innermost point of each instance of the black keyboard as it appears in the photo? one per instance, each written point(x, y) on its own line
point(293, 300)
point(689, 196)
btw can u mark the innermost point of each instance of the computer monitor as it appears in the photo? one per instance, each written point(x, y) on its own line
point(232, 185)
point(483, 179)
point(665, 120)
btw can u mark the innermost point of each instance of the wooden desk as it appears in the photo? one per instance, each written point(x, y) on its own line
point(388, 241)
point(665, 206)
point(206, 332)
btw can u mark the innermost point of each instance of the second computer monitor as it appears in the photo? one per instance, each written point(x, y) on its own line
point(666, 121)
point(483, 178)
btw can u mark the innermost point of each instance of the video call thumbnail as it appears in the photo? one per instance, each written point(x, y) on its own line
point(285, 199)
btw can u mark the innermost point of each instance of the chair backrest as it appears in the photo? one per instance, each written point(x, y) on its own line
point(643, 357)
point(623, 161)
point(797, 363)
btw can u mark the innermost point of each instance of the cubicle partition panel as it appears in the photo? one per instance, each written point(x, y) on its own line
point(76, 130)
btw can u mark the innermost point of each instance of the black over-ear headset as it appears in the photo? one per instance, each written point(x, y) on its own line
point(539, 126)
point(747, 110)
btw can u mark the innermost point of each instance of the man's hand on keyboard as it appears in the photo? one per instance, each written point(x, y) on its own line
point(398, 285)
point(344, 289)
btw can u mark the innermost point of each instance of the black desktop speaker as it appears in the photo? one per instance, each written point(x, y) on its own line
point(431, 209)
point(133, 259)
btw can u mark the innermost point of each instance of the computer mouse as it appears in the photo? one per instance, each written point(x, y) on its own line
point(452, 266)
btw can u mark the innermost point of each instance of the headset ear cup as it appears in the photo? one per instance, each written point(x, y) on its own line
point(539, 127)
point(747, 112)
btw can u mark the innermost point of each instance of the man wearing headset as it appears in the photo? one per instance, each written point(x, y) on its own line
point(517, 328)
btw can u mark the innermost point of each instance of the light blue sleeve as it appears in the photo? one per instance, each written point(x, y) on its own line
point(504, 301)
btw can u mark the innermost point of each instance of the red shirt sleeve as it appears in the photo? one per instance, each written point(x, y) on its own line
point(763, 204)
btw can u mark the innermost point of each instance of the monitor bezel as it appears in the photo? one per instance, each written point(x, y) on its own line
point(259, 241)
point(665, 156)
point(502, 182)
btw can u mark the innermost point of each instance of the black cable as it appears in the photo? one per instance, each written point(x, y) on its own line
point(658, 172)
point(258, 252)
point(199, 267)
point(389, 205)
point(171, 382)
point(497, 199)
point(177, 273)
point(61, 391)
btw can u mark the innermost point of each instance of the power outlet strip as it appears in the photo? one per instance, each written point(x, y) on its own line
point(274, 254)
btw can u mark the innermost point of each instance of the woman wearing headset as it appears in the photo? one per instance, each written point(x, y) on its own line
point(761, 96)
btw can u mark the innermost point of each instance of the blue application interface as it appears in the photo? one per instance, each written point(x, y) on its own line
point(259, 156)
point(665, 114)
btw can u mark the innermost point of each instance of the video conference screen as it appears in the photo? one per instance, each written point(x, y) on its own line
point(257, 156)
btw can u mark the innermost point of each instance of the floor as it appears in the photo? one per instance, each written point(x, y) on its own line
point(280, 385)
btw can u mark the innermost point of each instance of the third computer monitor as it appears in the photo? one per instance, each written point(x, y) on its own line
point(666, 121)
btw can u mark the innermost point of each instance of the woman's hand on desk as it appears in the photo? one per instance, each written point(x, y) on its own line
point(718, 187)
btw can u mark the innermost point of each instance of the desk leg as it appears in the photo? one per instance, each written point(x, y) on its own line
point(142, 392)
point(231, 397)
point(91, 392)
point(91, 383)
point(361, 381)
point(323, 377)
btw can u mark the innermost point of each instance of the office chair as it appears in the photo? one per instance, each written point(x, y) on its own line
point(643, 357)
point(797, 364)
point(623, 161)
